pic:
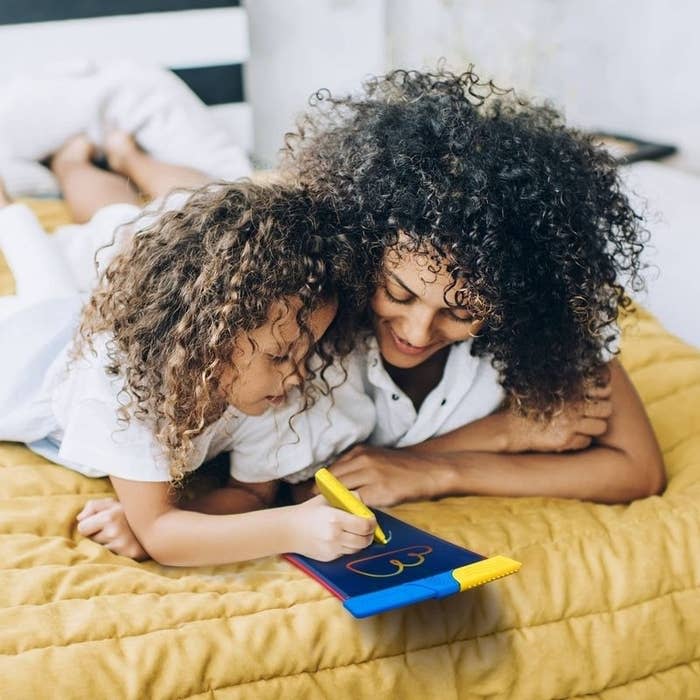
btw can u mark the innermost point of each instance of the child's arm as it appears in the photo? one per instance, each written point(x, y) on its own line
point(622, 464)
point(176, 537)
point(104, 521)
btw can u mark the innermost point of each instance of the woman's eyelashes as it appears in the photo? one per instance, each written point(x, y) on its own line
point(466, 318)
point(451, 313)
point(406, 300)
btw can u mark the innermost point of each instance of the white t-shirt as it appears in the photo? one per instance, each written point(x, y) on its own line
point(91, 439)
point(69, 413)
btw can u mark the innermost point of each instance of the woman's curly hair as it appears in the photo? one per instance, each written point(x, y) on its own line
point(189, 282)
point(527, 214)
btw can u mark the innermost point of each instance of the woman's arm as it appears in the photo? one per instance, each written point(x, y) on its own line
point(572, 428)
point(622, 464)
point(177, 537)
point(235, 497)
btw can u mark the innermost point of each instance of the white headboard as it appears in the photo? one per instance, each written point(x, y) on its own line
point(205, 42)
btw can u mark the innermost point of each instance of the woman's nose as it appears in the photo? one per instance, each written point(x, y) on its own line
point(419, 327)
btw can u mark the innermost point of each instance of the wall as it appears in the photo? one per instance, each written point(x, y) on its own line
point(625, 66)
point(628, 66)
point(299, 46)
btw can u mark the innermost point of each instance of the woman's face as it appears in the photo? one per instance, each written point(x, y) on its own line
point(269, 362)
point(414, 317)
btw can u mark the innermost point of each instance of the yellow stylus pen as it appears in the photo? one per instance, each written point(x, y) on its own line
point(340, 497)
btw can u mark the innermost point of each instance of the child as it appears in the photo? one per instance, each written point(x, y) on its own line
point(206, 317)
point(499, 238)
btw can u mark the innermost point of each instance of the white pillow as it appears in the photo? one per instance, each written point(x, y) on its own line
point(671, 199)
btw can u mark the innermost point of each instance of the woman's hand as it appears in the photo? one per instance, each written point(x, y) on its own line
point(103, 520)
point(385, 477)
point(323, 532)
point(573, 428)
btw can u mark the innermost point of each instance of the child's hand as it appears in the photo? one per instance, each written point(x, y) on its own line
point(323, 532)
point(573, 428)
point(103, 520)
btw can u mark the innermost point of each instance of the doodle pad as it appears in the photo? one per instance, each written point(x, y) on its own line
point(413, 566)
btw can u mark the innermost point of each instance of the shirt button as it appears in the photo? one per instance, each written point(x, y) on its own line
point(395, 397)
point(443, 402)
point(375, 362)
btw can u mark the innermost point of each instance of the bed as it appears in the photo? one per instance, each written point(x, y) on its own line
point(605, 605)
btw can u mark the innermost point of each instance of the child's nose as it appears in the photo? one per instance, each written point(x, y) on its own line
point(295, 378)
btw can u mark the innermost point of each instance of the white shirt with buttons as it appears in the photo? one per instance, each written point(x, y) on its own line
point(468, 390)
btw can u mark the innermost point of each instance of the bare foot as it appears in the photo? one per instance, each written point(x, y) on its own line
point(4, 197)
point(77, 150)
point(118, 147)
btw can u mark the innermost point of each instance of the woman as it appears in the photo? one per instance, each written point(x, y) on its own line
point(499, 238)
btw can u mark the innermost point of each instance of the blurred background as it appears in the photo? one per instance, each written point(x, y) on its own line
point(627, 68)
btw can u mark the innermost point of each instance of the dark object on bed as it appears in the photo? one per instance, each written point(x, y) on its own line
point(628, 149)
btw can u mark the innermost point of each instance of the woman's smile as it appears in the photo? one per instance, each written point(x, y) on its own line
point(407, 348)
point(415, 308)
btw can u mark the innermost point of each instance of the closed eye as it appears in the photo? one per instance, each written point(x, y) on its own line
point(397, 300)
point(454, 315)
point(279, 359)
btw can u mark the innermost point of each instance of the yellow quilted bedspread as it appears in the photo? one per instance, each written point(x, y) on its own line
point(606, 605)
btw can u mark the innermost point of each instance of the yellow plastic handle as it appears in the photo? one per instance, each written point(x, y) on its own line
point(337, 494)
point(484, 571)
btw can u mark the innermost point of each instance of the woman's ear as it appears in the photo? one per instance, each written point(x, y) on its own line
point(475, 328)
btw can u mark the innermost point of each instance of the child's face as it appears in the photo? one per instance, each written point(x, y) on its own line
point(266, 366)
point(413, 320)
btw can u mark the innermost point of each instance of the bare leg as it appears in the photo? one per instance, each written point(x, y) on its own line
point(153, 177)
point(85, 187)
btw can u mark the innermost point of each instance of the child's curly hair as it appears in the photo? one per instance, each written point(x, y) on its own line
point(172, 303)
point(527, 213)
